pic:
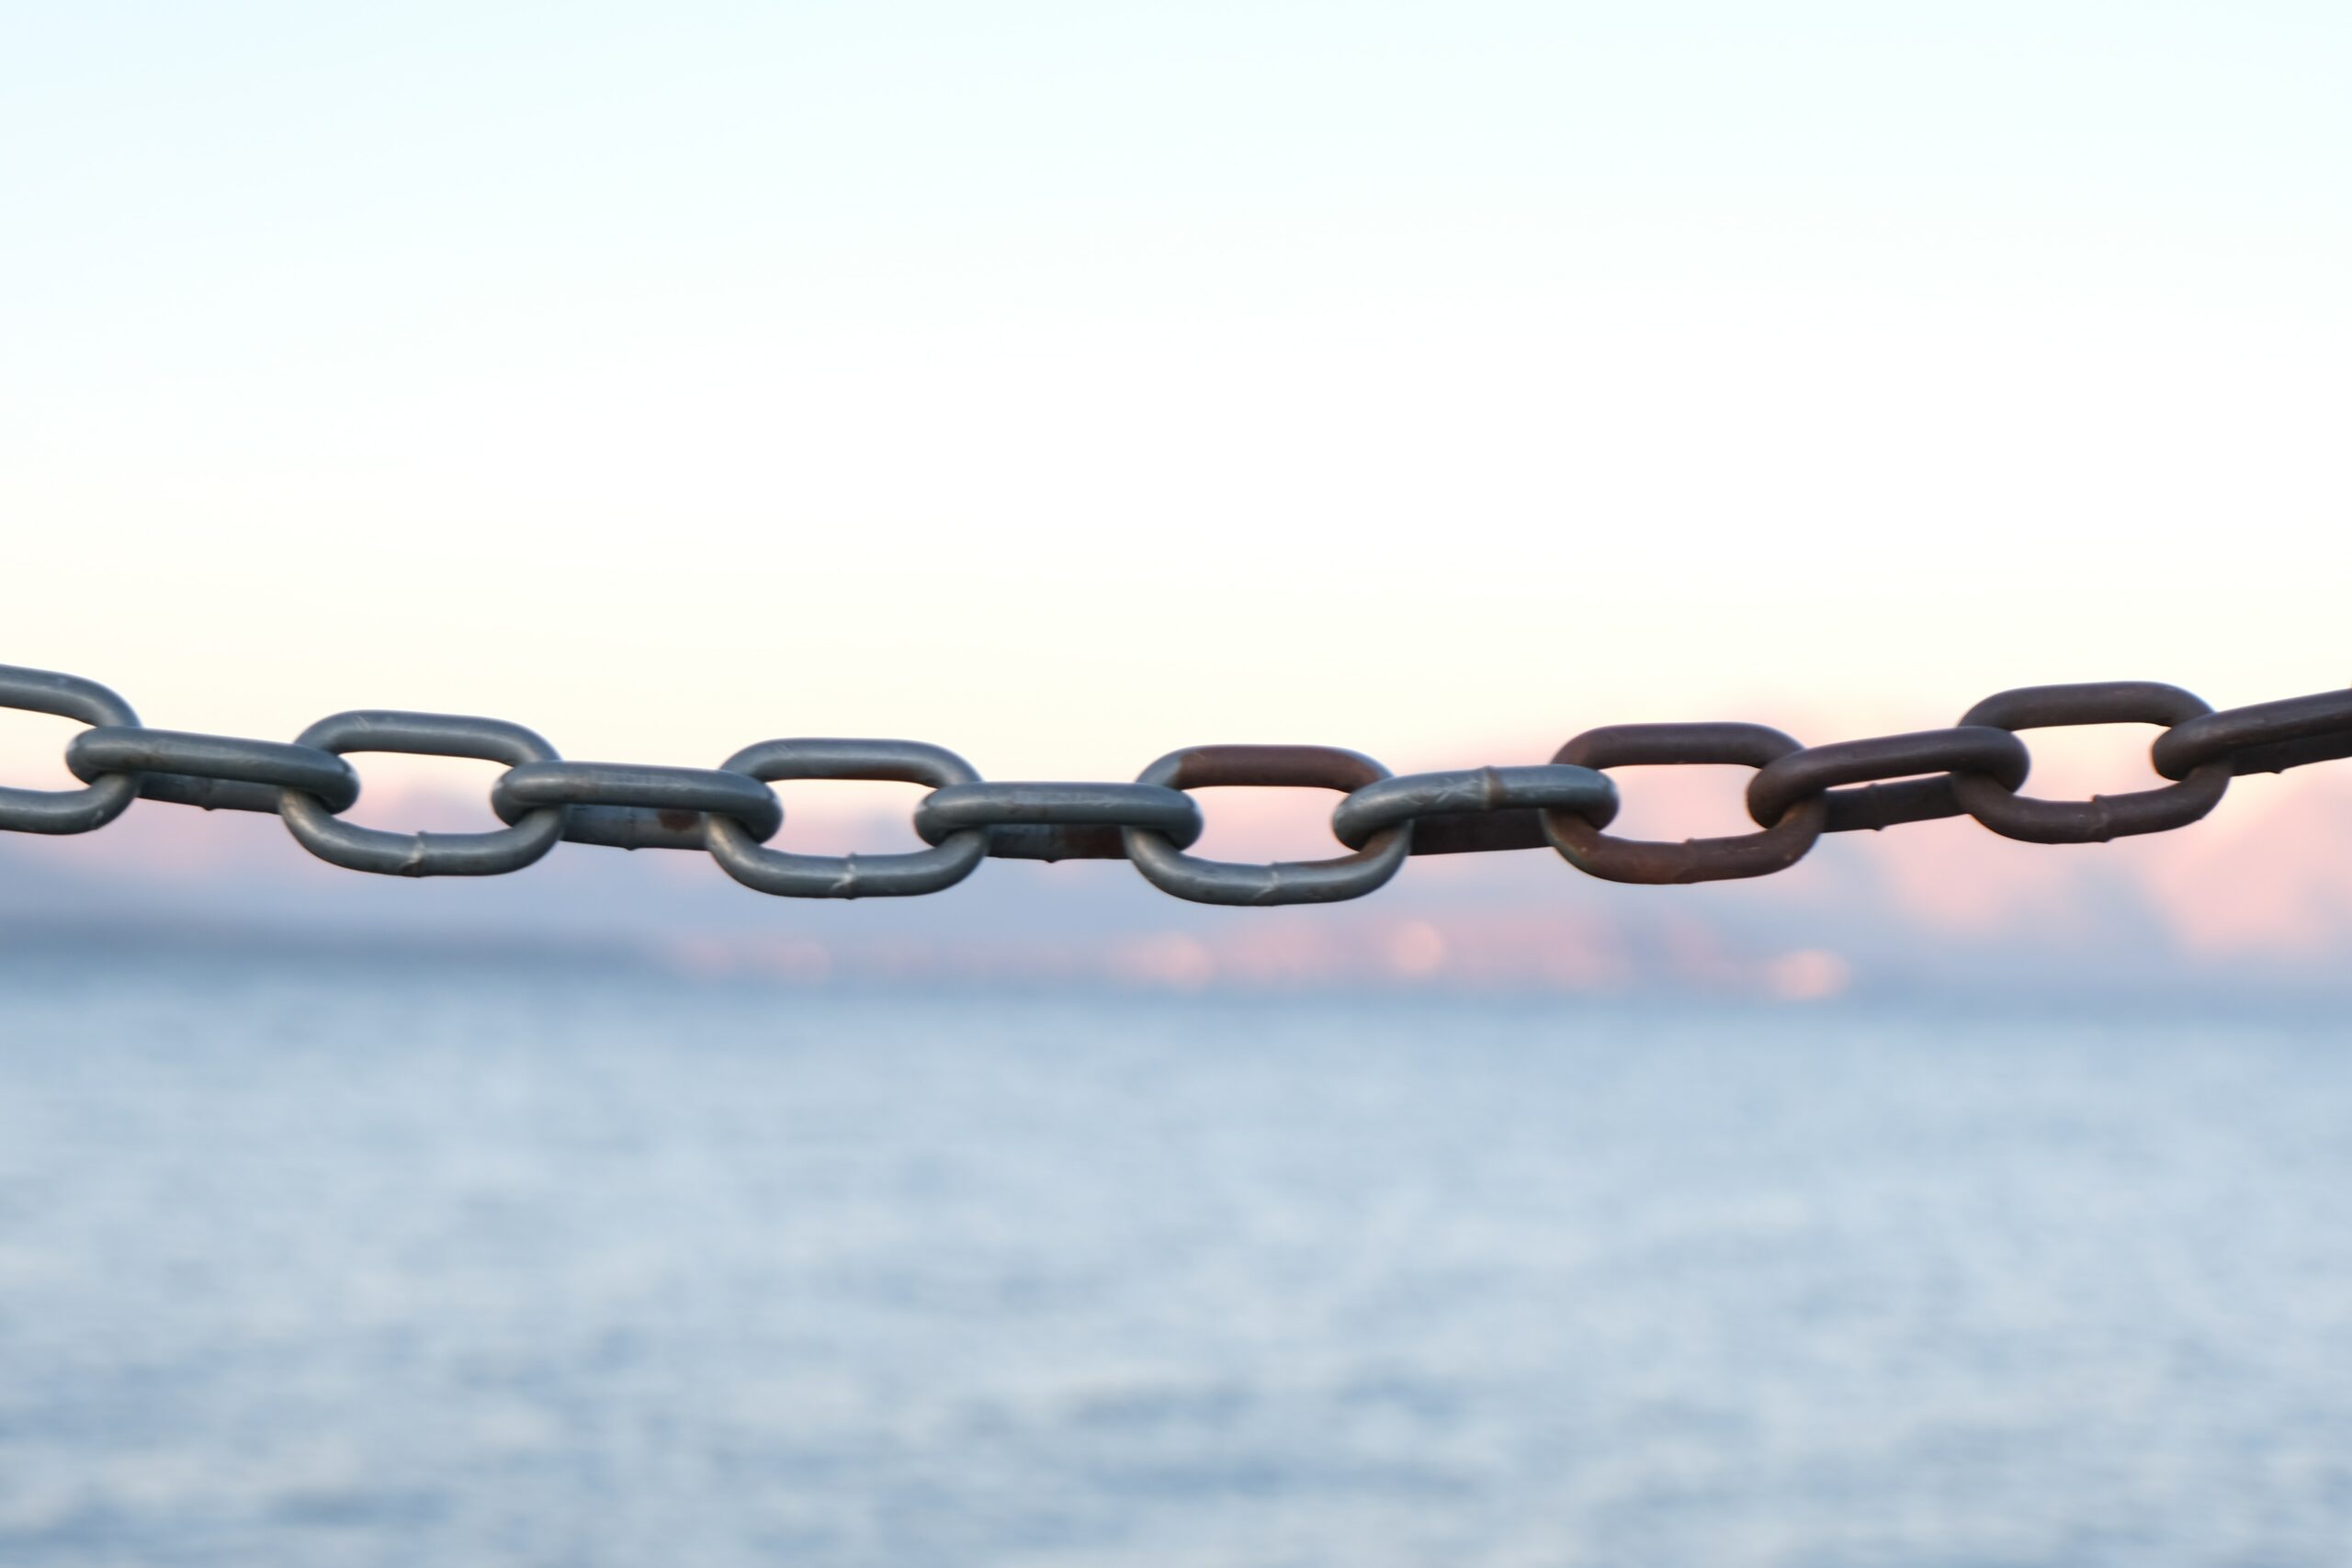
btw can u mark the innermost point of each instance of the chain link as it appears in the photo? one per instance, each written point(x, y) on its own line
point(326, 835)
point(2103, 816)
point(1887, 770)
point(933, 870)
point(730, 812)
point(65, 810)
point(1285, 881)
point(1775, 848)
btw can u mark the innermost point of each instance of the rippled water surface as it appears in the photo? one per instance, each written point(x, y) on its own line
point(466, 1267)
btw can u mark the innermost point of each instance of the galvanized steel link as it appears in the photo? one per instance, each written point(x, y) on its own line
point(347, 844)
point(852, 875)
point(65, 810)
point(609, 800)
point(168, 757)
point(1057, 821)
point(1283, 882)
point(1469, 793)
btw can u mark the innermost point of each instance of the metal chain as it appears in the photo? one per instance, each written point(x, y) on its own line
point(1799, 793)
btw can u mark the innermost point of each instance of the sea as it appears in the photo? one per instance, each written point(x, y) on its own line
point(323, 1261)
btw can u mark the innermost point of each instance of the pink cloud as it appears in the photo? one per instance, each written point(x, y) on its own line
point(2266, 881)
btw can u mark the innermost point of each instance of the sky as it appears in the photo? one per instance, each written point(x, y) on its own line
point(1064, 384)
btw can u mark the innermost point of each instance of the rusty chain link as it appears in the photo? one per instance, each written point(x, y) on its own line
point(1798, 793)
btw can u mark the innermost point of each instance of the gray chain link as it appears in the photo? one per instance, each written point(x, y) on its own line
point(729, 812)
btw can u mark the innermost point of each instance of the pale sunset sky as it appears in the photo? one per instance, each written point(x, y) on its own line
point(1067, 383)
